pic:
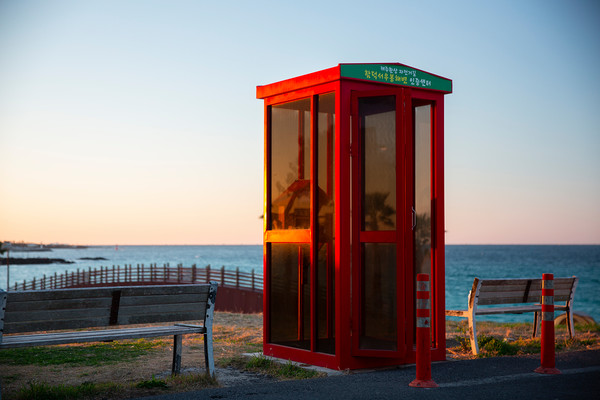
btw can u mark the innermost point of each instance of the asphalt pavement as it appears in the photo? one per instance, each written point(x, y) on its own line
point(510, 378)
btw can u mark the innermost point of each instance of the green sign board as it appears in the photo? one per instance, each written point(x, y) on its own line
point(397, 75)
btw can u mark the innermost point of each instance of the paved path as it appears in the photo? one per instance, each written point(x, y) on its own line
point(508, 378)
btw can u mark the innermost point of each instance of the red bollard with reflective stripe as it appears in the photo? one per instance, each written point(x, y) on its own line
point(548, 363)
point(423, 335)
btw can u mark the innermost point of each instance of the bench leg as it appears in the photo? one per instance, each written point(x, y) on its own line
point(570, 322)
point(536, 323)
point(177, 345)
point(473, 334)
point(208, 354)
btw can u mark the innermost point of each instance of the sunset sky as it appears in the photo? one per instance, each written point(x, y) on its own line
point(136, 122)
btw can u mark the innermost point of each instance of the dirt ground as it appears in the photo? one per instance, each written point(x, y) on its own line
point(234, 334)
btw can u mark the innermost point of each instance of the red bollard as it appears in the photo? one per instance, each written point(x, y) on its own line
point(548, 360)
point(423, 335)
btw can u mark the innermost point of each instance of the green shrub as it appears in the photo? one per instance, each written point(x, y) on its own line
point(270, 367)
point(43, 391)
point(152, 383)
point(494, 347)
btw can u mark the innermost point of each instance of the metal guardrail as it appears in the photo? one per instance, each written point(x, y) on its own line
point(145, 275)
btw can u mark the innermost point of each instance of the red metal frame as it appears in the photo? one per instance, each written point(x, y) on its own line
point(361, 237)
point(327, 81)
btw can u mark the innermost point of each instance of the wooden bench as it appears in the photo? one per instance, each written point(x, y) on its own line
point(522, 295)
point(76, 309)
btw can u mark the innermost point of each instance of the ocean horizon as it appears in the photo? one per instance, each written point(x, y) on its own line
point(463, 264)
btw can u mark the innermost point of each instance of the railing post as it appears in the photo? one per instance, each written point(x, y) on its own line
point(223, 275)
point(252, 279)
point(237, 277)
point(208, 273)
point(193, 273)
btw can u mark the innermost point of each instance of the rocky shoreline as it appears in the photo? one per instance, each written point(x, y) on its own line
point(33, 261)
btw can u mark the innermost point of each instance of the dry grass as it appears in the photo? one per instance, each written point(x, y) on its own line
point(514, 339)
point(235, 334)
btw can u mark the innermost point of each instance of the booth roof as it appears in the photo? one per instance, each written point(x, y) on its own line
point(386, 73)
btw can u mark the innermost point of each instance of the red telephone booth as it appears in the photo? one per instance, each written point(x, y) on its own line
point(353, 210)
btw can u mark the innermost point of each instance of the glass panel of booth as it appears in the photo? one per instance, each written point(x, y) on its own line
point(422, 233)
point(290, 295)
point(290, 165)
point(378, 135)
point(325, 205)
point(378, 322)
point(422, 201)
point(291, 184)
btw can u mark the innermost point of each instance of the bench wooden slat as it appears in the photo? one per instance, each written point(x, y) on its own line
point(54, 315)
point(37, 326)
point(16, 306)
point(508, 310)
point(562, 288)
point(514, 309)
point(96, 336)
point(148, 319)
point(59, 294)
point(164, 290)
point(520, 283)
point(157, 308)
point(508, 282)
point(137, 300)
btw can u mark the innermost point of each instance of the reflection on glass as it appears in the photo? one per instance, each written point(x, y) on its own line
point(378, 329)
point(290, 295)
point(422, 232)
point(290, 165)
point(378, 134)
point(325, 234)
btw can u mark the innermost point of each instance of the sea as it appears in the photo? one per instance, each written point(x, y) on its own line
point(463, 263)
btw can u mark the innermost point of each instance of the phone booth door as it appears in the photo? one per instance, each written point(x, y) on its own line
point(380, 225)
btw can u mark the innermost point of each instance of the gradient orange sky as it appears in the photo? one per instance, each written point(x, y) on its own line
point(137, 123)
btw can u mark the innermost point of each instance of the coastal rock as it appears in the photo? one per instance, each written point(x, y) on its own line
point(33, 261)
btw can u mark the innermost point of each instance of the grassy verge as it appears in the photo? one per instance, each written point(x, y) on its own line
point(92, 390)
point(510, 339)
point(263, 365)
point(90, 354)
